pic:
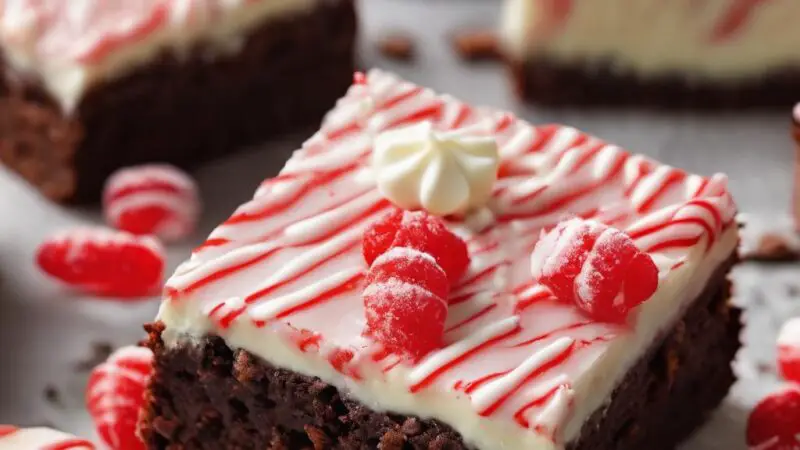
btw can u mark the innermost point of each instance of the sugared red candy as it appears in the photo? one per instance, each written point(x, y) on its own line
point(405, 302)
point(789, 350)
point(596, 267)
point(14, 438)
point(421, 231)
point(156, 199)
point(774, 424)
point(115, 393)
point(104, 262)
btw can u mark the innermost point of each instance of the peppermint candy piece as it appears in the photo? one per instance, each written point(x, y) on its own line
point(421, 231)
point(789, 350)
point(115, 393)
point(104, 262)
point(14, 438)
point(596, 267)
point(156, 199)
point(404, 302)
point(774, 424)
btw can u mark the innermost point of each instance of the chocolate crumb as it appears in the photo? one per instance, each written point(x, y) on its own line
point(411, 427)
point(477, 45)
point(317, 437)
point(52, 395)
point(397, 46)
point(392, 440)
point(774, 248)
point(99, 352)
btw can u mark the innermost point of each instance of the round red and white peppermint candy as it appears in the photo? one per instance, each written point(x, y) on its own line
point(596, 267)
point(789, 350)
point(104, 262)
point(405, 302)
point(115, 394)
point(14, 438)
point(774, 424)
point(156, 199)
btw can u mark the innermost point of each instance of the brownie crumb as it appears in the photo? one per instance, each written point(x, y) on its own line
point(317, 437)
point(397, 46)
point(99, 353)
point(774, 247)
point(477, 45)
point(392, 440)
point(52, 395)
point(411, 427)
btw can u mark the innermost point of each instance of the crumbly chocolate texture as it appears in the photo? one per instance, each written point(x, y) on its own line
point(212, 397)
point(600, 84)
point(288, 73)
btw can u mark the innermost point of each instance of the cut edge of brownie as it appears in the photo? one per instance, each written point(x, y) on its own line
point(181, 110)
point(209, 396)
point(549, 82)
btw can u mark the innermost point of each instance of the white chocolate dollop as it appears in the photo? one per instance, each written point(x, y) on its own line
point(441, 172)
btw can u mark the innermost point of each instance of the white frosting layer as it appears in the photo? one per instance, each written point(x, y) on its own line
point(717, 38)
point(42, 438)
point(443, 173)
point(283, 277)
point(72, 45)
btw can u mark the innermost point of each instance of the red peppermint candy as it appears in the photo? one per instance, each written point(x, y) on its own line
point(420, 231)
point(789, 350)
point(774, 424)
point(156, 199)
point(405, 302)
point(115, 394)
point(596, 267)
point(104, 262)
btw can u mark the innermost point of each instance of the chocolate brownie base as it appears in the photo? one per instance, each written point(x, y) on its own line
point(212, 397)
point(550, 83)
point(288, 73)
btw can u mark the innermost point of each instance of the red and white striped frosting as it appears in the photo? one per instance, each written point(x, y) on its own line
point(89, 31)
point(70, 44)
point(283, 277)
point(718, 38)
point(14, 438)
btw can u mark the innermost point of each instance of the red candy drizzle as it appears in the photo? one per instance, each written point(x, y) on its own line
point(596, 267)
point(774, 424)
point(413, 260)
point(104, 262)
point(420, 231)
point(115, 393)
point(156, 199)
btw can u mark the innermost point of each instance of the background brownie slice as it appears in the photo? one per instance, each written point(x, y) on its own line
point(183, 104)
point(729, 54)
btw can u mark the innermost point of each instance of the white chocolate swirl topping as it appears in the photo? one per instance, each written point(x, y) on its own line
point(445, 173)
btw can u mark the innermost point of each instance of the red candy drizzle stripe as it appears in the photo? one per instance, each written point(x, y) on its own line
point(546, 172)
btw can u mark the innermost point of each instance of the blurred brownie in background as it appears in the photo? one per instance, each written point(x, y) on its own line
point(699, 54)
point(89, 87)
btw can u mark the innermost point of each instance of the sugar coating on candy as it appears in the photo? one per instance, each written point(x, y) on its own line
point(789, 350)
point(115, 393)
point(421, 231)
point(774, 424)
point(404, 302)
point(411, 266)
point(596, 267)
point(104, 262)
point(157, 199)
